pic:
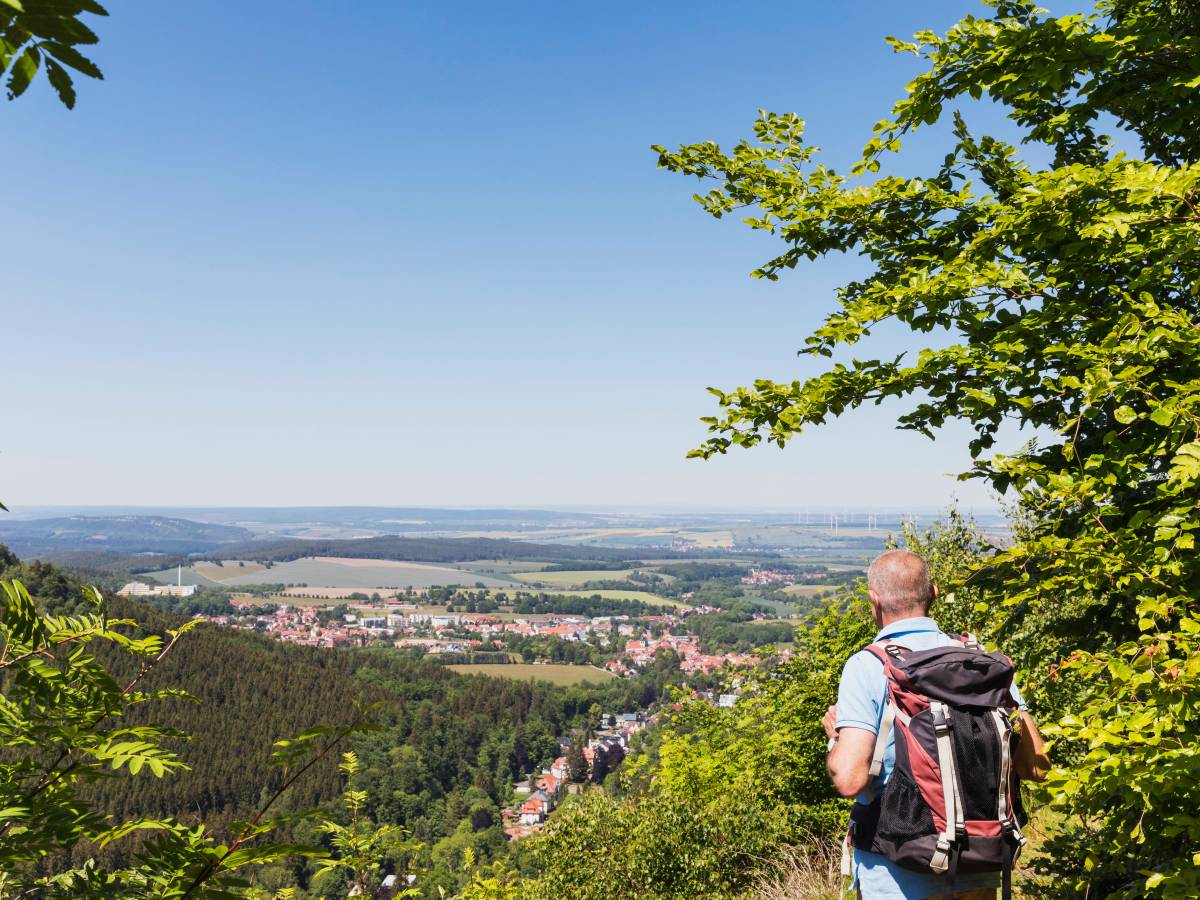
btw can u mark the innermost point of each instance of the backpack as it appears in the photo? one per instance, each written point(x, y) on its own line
point(952, 803)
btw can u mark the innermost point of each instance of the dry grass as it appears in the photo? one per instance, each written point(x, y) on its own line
point(812, 872)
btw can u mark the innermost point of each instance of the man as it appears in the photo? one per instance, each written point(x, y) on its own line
point(901, 592)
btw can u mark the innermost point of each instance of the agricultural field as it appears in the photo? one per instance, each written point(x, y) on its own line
point(571, 579)
point(555, 673)
point(708, 540)
point(807, 590)
point(338, 572)
point(501, 568)
point(614, 594)
point(651, 564)
point(582, 577)
point(230, 568)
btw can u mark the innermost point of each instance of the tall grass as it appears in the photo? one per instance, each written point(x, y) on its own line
point(810, 872)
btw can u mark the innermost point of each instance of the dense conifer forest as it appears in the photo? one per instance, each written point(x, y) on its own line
point(441, 762)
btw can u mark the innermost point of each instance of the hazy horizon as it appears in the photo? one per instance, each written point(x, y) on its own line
point(581, 508)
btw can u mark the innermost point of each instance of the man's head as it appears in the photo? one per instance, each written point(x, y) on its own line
point(900, 586)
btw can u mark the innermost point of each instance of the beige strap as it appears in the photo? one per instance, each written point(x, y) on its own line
point(940, 861)
point(1002, 733)
point(847, 867)
point(881, 740)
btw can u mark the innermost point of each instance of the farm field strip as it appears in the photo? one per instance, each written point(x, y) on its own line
point(572, 578)
point(614, 594)
point(807, 590)
point(346, 572)
point(576, 578)
point(500, 567)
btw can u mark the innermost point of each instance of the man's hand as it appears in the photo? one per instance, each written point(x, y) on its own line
point(829, 720)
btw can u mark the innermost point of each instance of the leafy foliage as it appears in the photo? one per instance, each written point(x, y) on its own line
point(37, 33)
point(62, 719)
point(360, 846)
point(64, 726)
point(1070, 297)
point(700, 812)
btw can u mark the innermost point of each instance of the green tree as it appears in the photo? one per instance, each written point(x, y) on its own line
point(361, 847)
point(37, 33)
point(67, 723)
point(577, 767)
point(1066, 297)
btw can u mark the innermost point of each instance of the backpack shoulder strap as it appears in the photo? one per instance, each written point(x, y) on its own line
point(886, 651)
point(890, 712)
point(878, 652)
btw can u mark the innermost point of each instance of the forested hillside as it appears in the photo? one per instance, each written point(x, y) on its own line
point(445, 752)
point(116, 534)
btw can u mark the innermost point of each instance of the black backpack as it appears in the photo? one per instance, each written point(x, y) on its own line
point(952, 803)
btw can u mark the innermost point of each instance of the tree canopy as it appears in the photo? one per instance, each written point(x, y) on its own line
point(46, 33)
point(1062, 296)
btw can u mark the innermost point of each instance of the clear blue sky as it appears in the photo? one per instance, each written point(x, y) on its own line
point(393, 253)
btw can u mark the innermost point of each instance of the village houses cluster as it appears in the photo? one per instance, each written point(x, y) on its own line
point(601, 755)
point(768, 576)
point(692, 659)
point(406, 625)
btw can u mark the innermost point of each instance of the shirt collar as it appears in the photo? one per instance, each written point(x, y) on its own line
point(907, 626)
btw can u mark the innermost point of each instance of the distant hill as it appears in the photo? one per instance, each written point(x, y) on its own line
point(116, 534)
point(376, 519)
point(434, 550)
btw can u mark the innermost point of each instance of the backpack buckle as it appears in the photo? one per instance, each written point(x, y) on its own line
point(941, 723)
point(1010, 829)
point(940, 861)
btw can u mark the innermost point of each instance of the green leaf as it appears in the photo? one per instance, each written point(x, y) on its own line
point(68, 55)
point(61, 83)
point(22, 72)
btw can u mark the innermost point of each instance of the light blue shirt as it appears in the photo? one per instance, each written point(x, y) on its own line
point(862, 698)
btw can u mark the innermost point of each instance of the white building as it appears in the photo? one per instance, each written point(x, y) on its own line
point(138, 589)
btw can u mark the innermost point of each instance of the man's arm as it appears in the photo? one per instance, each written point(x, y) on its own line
point(849, 759)
point(1031, 760)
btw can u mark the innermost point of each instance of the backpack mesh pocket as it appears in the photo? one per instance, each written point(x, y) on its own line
point(977, 754)
point(903, 813)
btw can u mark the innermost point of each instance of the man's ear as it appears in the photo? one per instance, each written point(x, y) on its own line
point(935, 595)
point(875, 606)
